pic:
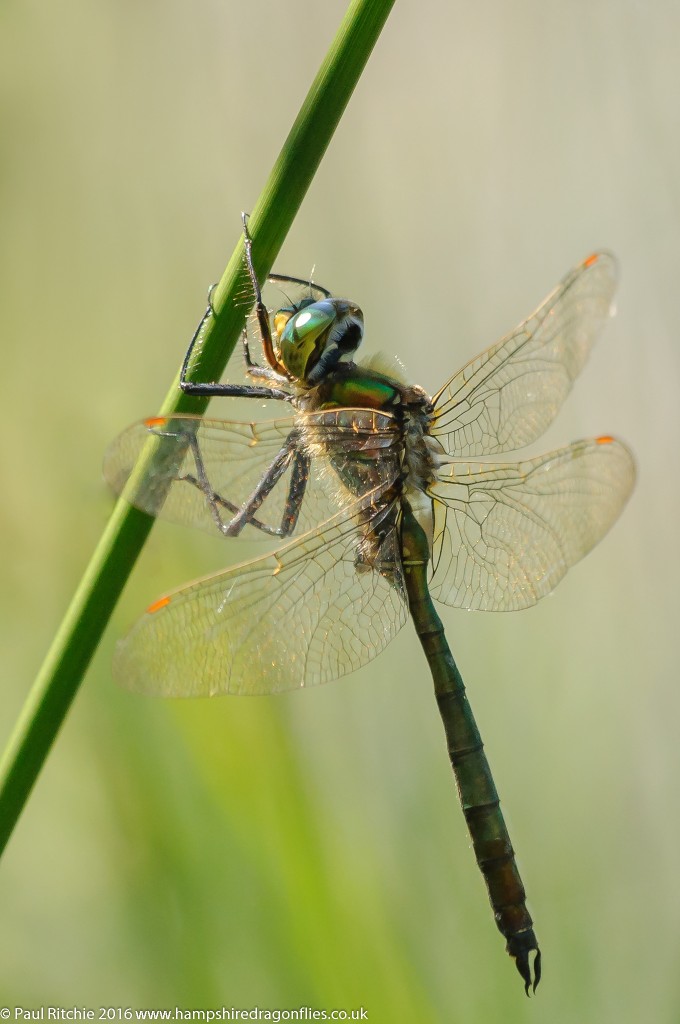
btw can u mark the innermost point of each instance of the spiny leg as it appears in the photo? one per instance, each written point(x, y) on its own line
point(209, 312)
point(274, 372)
point(289, 453)
point(244, 515)
point(213, 389)
point(296, 492)
point(260, 309)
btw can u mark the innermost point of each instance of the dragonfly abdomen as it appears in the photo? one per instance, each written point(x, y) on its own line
point(478, 796)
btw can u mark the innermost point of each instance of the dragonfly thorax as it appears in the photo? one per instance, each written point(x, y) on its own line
point(313, 337)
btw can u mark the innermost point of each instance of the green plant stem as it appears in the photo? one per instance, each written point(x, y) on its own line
point(80, 632)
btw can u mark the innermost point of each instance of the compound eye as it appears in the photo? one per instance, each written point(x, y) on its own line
point(283, 316)
point(303, 336)
point(314, 318)
point(315, 337)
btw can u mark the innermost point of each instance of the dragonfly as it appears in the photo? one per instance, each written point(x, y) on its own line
point(377, 498)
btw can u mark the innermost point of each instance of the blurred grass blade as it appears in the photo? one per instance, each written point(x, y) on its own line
point(113, 560)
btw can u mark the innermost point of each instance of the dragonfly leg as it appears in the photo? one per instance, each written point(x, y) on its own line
point(289, 454)
point(265, 373)
point(213, 389)
point(201, 390)
point(254, 369)
point(188, 439)
point(261, 311)
point(275, 373)
point(296, 492)
point(244, 515)
point(299, 282)
point(479, 798)
point(291, 512)
point(214, 499)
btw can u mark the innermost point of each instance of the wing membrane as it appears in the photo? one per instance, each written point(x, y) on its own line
point(506, 397)
point(306, 614)
point(233, 458)
point(505, 535)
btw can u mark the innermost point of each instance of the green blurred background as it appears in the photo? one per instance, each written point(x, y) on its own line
point(309, 849)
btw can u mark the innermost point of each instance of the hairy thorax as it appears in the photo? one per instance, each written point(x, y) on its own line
point(368, 400)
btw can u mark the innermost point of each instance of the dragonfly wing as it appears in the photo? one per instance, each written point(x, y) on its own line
point(306, 614)
point(506, 397)
point(229, 459)
point(505, 535)
point(232, 456)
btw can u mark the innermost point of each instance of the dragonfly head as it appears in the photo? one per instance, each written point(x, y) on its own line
point(313, 337)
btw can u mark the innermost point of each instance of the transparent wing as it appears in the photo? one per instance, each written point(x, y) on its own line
point(232, 455)
point(308, 613)
point(505, 535)
point(201, 468)
point(506, 397)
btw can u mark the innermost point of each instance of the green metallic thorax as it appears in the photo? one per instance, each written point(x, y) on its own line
point(353, 386)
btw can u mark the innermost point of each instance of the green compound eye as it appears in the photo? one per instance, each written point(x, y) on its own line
point(315, 338)
point(306, 326)
point(302, 338)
